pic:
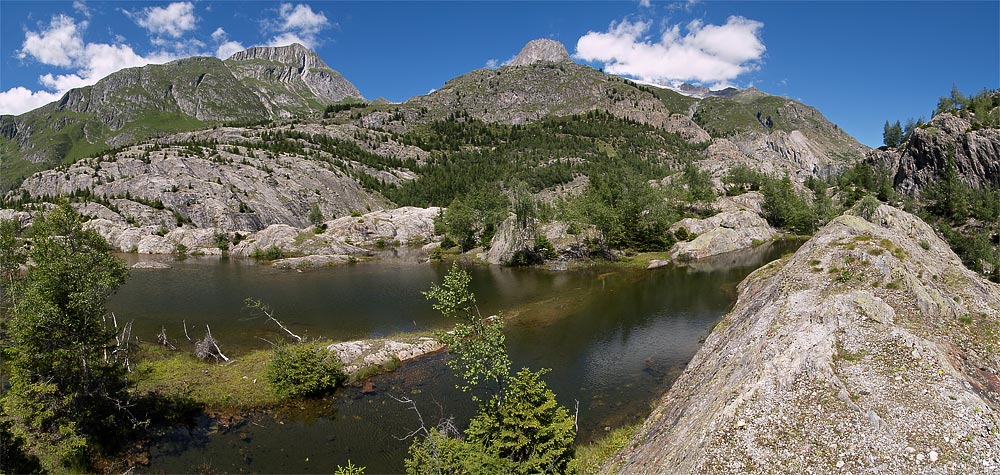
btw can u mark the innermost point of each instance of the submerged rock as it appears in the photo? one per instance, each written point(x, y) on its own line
point(151, 265)
point(312, 262)
point(868, 348)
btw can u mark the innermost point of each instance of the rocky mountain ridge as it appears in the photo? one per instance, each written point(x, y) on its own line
point(244, 179)
point(138, 103)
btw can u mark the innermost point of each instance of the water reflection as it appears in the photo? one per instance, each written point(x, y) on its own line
point(614, 337)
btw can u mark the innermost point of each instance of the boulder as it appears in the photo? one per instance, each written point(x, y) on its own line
point(510, 238)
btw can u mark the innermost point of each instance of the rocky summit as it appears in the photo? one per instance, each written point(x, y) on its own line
point(870, 350)
point(541, 50)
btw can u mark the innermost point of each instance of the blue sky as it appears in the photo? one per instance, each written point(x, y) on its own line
point(859, 63)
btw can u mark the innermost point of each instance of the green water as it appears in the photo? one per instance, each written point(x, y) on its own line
point(615, 338)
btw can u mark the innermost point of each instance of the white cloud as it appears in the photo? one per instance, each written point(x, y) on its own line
point(228, 48)
point(62, 45)
point(81, 7)
point(298, 24)
point(302, 18)
point(224, 47)
point(19, 99)
point(644, 3)
point(492, 63)
point(706, 54)
point(59, 45)
point(174, 20)
point(219, 35)
point(686, 6)
point(288, 38)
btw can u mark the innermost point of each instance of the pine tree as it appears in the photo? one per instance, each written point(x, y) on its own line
point(67, 393)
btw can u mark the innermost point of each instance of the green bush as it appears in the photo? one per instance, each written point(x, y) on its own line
point(867, 207)
point(306, 369)
point(269, 254)
point(544, 247)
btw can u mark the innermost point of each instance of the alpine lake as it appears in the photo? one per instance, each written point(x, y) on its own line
point(615, 337)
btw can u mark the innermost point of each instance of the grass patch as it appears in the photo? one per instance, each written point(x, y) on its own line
point(642, 259)
point(241, 383)
point(897, 252)
point(590, 457)
point(372, 370)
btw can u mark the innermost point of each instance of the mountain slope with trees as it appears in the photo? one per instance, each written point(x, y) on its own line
point(135, 104)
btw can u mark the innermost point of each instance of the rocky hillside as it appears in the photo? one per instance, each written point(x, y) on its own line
point(870, 350)
point(775, 135)
point(188, 94)
point(229, 178)
point(290, 80)
point(543, 121)
point(924, 157)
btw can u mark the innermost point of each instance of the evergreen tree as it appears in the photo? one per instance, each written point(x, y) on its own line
point(892, 134)
point(67, 394)
point(521, 429)
point(315, 215)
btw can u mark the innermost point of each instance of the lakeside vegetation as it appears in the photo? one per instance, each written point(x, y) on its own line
point(520, 428)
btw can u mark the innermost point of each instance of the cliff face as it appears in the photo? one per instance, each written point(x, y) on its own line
point(290, 78)
point(976, 154)
point(870, 350)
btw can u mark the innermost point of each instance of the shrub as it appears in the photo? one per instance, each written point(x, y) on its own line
point(544, 247)
point(269, 254)
point(448, 243)
point(681, 234)
point(306, 369)
point(867, 207)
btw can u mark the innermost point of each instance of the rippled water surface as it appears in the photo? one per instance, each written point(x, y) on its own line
point(614, 337)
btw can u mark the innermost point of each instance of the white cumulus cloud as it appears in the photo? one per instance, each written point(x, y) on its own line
point(224, 46)
point(19, 99)
point(705, 54)
point(59, 45)
point(302, 18)
point(173, 20)
point(298, 24)
point(62, 45)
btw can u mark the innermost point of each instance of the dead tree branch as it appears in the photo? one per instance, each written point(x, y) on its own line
point(263, 308)
point(209, 347)
point(162, 339)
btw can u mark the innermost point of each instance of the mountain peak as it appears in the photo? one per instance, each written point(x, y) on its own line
point(542, 49)
point(294, 53)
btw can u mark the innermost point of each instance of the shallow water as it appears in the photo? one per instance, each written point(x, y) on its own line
point(614, 337)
